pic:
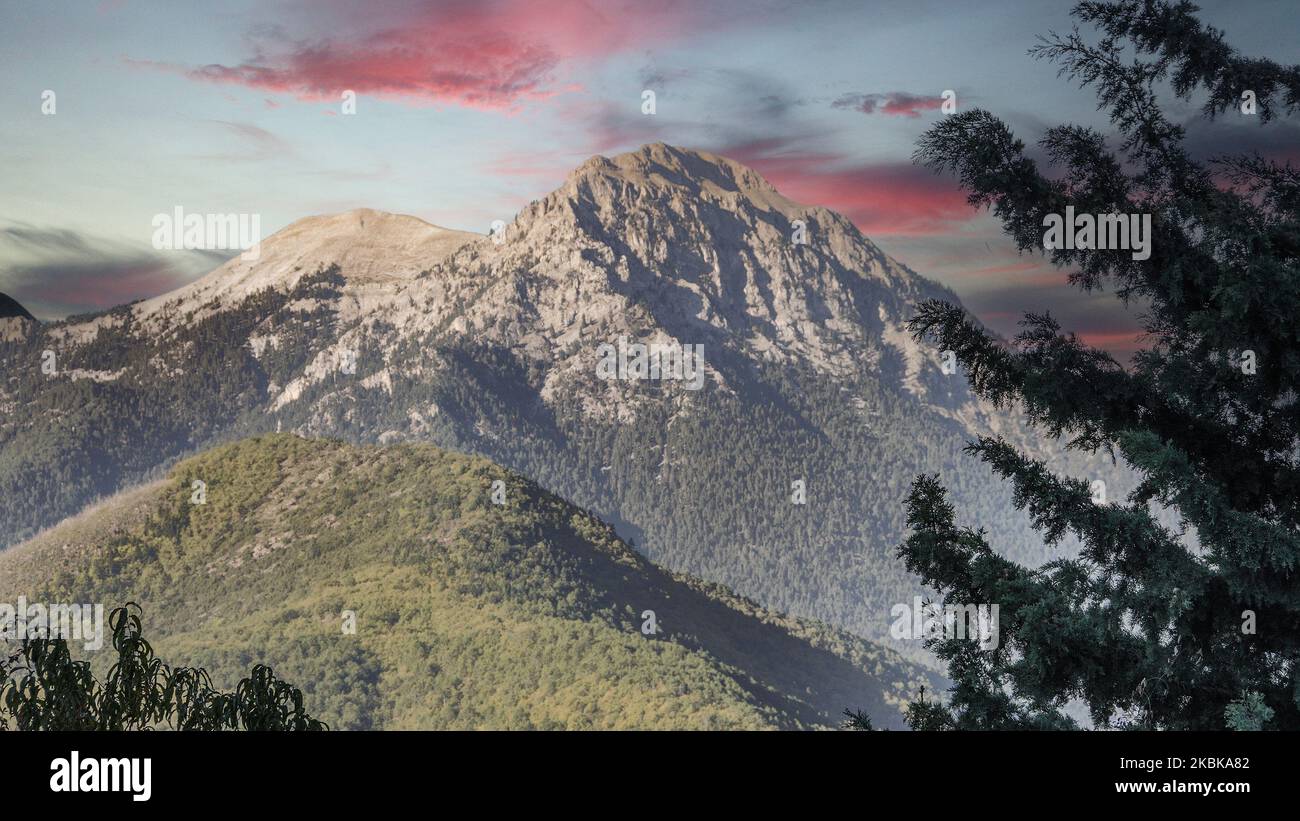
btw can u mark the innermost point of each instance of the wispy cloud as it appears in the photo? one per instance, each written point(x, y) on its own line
point(895, 103)
point(882, 199)
point(55, 272)
point(486, 54)
point(256, 144)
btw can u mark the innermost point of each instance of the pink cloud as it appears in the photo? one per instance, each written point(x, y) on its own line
point(895, 103)
point(1030, 266)
point(487, 54)
point(881, 199)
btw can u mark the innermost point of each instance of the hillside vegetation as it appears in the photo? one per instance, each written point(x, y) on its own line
point(468, 614)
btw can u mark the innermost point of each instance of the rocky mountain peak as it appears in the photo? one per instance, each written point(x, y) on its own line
point(666, 165)
point(661, 201)
point(669, 241)
point(669, 178)
point(764, 355)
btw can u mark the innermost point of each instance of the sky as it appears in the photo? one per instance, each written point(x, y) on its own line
point(467, 110)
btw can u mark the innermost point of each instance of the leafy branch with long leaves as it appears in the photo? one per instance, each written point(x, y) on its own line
point(42, 687)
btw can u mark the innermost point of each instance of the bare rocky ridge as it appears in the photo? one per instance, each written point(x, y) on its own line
point(660, 245)
point(373, 247)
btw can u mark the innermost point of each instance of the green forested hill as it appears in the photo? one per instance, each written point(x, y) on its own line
point(468, 614)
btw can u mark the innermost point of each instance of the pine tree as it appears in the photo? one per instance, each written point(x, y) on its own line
point(1148, 627)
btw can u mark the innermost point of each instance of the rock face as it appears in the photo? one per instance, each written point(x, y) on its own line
point(781, 474)
point(661, 245)
point(665, 242)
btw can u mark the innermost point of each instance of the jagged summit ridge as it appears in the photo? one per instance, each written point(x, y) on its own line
point(666, 242)
point(660, 175)
point(662, 244)
point(682, 166)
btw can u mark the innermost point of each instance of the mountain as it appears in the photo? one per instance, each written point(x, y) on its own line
point(377, 328)
point(15, 322)
point(372, 248)
point(468, 613)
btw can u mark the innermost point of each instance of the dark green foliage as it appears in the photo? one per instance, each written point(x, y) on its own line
point(856, 720)
point(1145, 627)
point(43, 688)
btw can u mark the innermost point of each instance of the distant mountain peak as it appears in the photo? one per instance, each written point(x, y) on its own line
point(683, 166)
point(369, 246)
point(360, 220)
point(682, 172)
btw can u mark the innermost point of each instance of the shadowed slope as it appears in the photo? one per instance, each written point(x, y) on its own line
point(468, 613)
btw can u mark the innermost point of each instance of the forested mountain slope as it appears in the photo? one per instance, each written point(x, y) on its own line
point(781, 473)
point(468, 613)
